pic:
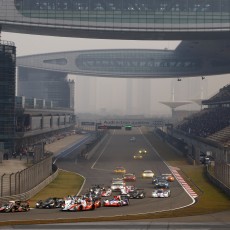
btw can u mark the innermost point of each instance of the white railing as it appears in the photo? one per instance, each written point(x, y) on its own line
point(8, 43)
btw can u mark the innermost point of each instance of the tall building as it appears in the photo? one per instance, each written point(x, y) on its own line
point(7, 93)
point(48, 85)
point(72, 93)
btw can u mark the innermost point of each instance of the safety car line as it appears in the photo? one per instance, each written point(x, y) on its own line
point(183, 183)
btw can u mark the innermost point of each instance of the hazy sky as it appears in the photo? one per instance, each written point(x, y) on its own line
point(160, 88)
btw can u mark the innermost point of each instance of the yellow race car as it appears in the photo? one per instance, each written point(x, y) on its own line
point(119, 169)
point(142, 151)
point(137, 156)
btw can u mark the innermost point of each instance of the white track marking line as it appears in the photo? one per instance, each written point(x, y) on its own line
point(92, 167)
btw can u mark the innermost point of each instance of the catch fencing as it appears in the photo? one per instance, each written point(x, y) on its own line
point(23, 181)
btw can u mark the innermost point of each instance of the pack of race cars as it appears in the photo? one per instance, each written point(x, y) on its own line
point(118, 194)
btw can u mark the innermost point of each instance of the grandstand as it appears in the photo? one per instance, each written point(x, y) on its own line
point(213, 122)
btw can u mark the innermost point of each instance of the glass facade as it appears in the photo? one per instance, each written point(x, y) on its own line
point(117, 15)
point(136, 62)
point(49, 85)
point(7, 93)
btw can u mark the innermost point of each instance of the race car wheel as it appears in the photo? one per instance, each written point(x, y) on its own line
point(13, 210)
point(93, 207)
point(80, 208)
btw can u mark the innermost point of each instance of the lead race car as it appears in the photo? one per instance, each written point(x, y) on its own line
point(117, 201)
point(80, 204)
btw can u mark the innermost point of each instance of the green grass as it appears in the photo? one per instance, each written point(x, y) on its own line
point(66, 183)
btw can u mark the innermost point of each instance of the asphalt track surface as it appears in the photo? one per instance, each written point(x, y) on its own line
point(117, 150)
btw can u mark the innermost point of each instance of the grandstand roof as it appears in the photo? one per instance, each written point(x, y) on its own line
point(223, 96)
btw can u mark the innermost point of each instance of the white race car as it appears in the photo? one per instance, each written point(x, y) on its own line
point(161, 193)
point(117, 186)
point(106, 192)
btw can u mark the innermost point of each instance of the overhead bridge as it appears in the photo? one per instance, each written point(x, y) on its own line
point(120, 19)
point(189, 59)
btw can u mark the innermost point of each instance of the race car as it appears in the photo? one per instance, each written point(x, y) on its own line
point(156, 179)
point(80, 204)
point(161, 193)
point(51, 202)
point(129, 177)
point(142, 151)
point(137, 156)
point(119, 169)
point(136, 194)
point(167, 176)
point(96, 199)
point(106, 192)
point(118, 179)
point(15, 206)
point(161, 183)
point(117, 201)
point(96, 189)
point(147, 174)
point(117, 185)
point(132, 139)
point(127, 189)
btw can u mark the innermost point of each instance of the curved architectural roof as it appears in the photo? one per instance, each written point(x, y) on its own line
point(175, 104)
point(188, 59)
point(119, 19)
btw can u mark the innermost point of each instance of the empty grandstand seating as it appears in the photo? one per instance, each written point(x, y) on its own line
point(212, 123)
point(222, 136)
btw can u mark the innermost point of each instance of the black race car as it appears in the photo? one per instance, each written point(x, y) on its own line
point(15, 206)
point(136, 194)
point(51, 202)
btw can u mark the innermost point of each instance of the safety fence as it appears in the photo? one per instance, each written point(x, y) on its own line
point(23, 181)
point(220, 176)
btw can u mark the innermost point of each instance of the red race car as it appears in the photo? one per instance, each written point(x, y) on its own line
point(106, 192)
point(81, 205)
point(129, 177)
point(117, 201)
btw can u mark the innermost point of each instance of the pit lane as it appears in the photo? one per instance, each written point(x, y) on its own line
point(118, 150)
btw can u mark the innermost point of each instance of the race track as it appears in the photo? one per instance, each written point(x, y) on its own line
point(117, 150)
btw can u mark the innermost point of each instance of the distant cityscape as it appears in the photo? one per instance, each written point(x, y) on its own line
point(136, 96)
